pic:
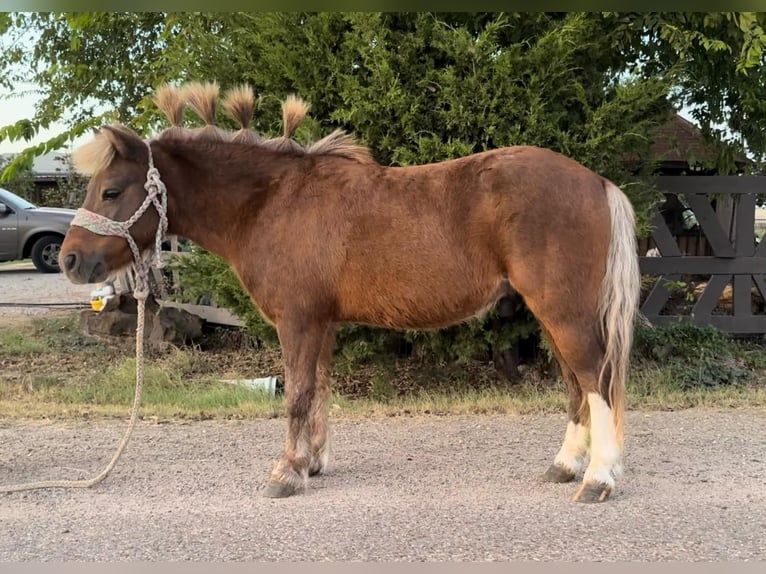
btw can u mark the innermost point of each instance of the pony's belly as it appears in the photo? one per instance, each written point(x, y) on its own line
point(423, 308)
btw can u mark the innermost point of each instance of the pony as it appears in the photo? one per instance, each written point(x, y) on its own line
point(322, 234)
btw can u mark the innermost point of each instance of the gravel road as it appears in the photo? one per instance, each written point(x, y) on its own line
point(22, 283)
point(410, 488)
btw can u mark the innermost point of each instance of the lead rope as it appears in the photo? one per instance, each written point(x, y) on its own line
point(156, 195)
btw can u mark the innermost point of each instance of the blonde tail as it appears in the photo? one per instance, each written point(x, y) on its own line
point(618, 302)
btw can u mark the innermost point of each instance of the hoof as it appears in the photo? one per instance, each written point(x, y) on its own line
point(313, 471)
point(276, 489)
point(559, 474)
point(593, 492)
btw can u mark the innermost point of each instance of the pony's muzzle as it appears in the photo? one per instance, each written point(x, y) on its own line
point(80, 268)
point(69, 263)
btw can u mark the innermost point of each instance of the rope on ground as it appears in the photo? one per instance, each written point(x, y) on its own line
point(156, 195)
point(87, 483)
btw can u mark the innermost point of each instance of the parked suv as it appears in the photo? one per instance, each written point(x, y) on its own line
point(30, 231)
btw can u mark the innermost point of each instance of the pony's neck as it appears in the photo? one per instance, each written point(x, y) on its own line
point(216, 189)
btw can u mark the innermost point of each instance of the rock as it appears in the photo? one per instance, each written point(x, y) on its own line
point(119, 318)
point(176, 326)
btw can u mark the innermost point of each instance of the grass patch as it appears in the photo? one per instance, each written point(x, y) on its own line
point(50, 370)
point(167, 395)
point(20, 342)
point(47, 335)
point(112, 392)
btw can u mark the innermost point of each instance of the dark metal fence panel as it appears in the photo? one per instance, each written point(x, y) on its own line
point(726, 256)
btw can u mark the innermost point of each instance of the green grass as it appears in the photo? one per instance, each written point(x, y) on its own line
point(20, 342)
point(166, 395)
point(50, 370)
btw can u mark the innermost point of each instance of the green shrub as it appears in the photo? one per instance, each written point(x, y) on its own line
point(697, 356)
point(681, 340)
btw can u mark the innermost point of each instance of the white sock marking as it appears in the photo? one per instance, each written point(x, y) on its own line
point(604, 450)
point(574, 449)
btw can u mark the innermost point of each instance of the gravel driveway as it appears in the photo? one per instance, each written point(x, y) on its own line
point(418, 488)
point(21, 283)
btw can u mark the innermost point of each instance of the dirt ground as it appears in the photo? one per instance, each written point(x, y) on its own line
point(400, 488)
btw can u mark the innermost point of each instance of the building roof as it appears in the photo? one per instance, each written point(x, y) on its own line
point(52, 165)
point(680, 141)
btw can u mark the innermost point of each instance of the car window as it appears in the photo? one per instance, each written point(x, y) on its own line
point(19, 201)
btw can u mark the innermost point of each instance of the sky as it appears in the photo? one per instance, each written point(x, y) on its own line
point(15, 108)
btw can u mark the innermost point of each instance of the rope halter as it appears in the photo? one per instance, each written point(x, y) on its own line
point(157, 194)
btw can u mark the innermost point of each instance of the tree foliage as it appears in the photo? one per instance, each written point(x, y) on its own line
point(716, 62)
point(415, 87)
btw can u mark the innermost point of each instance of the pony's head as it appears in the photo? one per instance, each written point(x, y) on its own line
point(117, 160)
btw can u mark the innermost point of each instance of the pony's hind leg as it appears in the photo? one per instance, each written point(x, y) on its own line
point(320, 428)
point(571, 456)
point(581, 351)
point(301, 345)
point(606, 451)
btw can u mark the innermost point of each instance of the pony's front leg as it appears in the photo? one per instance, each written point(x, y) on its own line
point(320, 426)
point(301, 344)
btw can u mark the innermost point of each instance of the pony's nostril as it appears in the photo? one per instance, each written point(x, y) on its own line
point(70, 261)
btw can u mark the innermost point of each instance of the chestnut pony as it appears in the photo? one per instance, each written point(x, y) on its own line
point(321, 235)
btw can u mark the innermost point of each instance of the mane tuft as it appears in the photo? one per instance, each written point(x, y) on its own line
point(203, 99)
point(240, 103)
point(171, 102)
point(294, 110)
point(96, 155)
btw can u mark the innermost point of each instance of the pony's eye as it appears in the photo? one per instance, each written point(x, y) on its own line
point(111, 194)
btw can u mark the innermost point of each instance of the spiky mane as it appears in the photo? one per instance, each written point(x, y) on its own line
point(203, 99)
point(171, 102)
point(239, 102)
point(294, 110)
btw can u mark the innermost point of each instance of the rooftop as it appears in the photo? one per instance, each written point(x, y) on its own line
point(49, 166)
point(680, 141)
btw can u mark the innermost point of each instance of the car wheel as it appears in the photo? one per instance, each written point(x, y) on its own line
point(45, 254)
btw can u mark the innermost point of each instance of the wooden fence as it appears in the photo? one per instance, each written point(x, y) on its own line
point(721, 255)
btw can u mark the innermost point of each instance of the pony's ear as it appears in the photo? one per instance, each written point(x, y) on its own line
point(127, 144)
